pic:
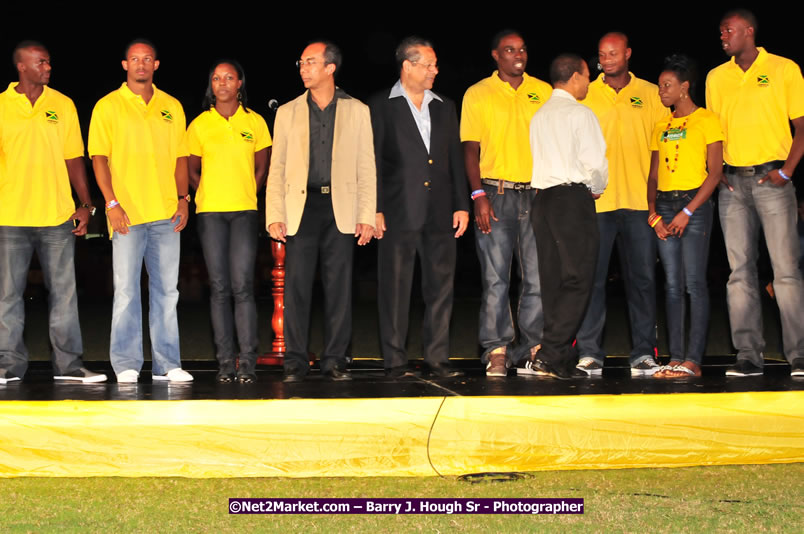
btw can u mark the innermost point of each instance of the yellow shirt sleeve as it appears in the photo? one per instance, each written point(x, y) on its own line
point(193, 142)
point(262, 133)
point(73, 144)
point(100, 136)
point(794, 83)
point(471, 118)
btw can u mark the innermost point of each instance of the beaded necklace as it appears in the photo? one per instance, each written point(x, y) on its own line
point(680, 133)
point(667, 137)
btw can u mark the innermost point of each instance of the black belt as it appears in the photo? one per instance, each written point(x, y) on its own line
point(753, 170)
point(323, 190)
point(673, 195)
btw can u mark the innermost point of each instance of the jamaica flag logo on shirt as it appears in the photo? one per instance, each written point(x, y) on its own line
point(636, 102)
point(166, 116)
point(533, 97)
point(247, 136)
point(51, 116)
point(762, 80)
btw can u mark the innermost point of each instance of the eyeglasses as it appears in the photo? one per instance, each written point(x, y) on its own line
point(308, 62)
point(428, 66)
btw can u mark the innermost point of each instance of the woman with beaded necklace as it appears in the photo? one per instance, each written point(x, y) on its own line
point(686, 166)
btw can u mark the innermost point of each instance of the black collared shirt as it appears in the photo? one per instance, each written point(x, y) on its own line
point(322, 132)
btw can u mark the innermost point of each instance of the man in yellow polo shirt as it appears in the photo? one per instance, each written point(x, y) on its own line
point(628, 108)
point(41, 154)
point(136, 141)
point(495, 122)
point(756, 94)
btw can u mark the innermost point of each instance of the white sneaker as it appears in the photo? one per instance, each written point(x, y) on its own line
point(8, 378)
point(175, 375)
point(129, 376)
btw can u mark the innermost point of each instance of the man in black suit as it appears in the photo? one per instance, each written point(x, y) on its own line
point(422, 206)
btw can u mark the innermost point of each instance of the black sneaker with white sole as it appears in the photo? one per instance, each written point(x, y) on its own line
point(744, 368)
point(83, 375)
point(646, 367)
point(797, 367)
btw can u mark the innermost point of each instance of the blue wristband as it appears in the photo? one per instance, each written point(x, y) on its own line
point(783, 175)
point(478, 193)
point(688, 212)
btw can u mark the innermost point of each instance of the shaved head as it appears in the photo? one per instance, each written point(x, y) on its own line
point(613, 55)
point(615, 36)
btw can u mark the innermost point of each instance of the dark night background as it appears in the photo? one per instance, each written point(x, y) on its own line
point(86, 46)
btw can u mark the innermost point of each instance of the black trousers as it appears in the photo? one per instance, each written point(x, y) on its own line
point(318, 237)
point(395, 264)
point(567, 240)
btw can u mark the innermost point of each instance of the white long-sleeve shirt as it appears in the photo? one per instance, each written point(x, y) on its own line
point(567, 145)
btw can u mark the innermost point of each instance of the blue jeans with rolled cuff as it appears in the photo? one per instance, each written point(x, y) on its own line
point(685, 260)
point(511, 239)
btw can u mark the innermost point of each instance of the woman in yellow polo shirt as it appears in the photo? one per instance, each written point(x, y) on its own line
point(686, 165)
point(229, 153)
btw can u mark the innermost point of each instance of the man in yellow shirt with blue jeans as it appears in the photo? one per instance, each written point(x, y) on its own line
point(41, 154)
point(136, 141)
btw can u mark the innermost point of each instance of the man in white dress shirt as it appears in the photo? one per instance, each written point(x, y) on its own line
point(570, 171)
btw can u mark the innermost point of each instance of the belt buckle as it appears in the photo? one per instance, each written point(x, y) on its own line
point(324, 189)
point(500, 187)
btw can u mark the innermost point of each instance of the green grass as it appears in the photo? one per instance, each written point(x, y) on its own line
point(763, 498)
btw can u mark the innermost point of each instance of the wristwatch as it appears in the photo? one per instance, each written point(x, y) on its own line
point(186, 197)
point(90, 207)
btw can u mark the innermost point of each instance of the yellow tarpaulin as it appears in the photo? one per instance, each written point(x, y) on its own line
point(389, 437)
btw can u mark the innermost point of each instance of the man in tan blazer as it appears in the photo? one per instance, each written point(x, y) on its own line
point(321, 191)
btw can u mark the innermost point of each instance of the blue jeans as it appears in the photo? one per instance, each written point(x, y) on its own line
point(229, 240)
point(158, 245)
point(743, 212)
point(636, 242)
point(511, 238)
point(684, 260)
point(55, 247)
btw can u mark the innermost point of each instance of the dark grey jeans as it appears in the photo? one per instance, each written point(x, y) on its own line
point(229, 240)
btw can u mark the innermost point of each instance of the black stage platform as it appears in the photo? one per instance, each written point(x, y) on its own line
point(370, 382)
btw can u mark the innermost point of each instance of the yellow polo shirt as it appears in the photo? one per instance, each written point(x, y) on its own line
point(34, 142)
point(682, 145)
point(497, 116)
point(627, 119)
point(226, 148)
point(142, 142)
point(755, 106)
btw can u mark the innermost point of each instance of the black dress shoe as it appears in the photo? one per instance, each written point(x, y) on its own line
point(293, 375)
point(399, 372)
point(547, 369)
point(246, 378)
point(445, 370)
point(336, 375)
